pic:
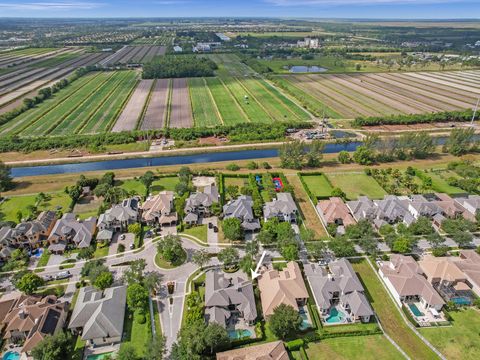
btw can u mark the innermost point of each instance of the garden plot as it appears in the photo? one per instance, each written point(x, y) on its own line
point(130, 116)
point(205, 112)
point(181, 110)
point(157, 107)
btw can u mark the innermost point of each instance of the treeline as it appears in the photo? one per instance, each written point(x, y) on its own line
point(173, 66)
point(446, 116)
point(237, 133)
point(43, 94)
point(255, 64)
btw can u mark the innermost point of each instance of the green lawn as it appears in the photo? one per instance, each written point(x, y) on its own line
point(461, 340)
point(373, 347)
point(228, 108)
point(101, 252)
point(132, 186)
point(318, 185)
point(390, 317)
point(440, 183)
point(11, 206)
point(138, 335)
point(203, 106)
point(200, 232)
point(164, 183)
point(164, 264)
point(357, 184)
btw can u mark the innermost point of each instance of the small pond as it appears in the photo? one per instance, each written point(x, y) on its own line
point(307, 69)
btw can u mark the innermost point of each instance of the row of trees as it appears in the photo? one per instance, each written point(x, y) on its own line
point(174, 66)
point(408, 119)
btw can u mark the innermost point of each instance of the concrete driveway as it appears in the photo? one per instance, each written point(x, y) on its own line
point(128, 239)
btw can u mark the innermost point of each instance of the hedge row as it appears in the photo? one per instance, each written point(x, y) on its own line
point(446, 116)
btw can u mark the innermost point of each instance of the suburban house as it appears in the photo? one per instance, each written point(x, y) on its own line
point(160, 209)
point(119, 216)
point(29, 234)
point(269, 351)
point(408, 285)
point(70, 230)
point(447, 278)
point(282, 287)
point(283, 208)
point(451, 208)
point(98, 316)
point(419, 205)
point(334, 211)
point(199, 204)
point(469, 263)
point(229, 300)
point(28, 320)
point(6, 247)
point(340, 290)
point(241, 208)
point(471, 203)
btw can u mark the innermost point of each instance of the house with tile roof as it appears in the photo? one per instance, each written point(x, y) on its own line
point(199, 204)
point(469, 263)
point(408, 284)
point(283, 208)
point(282, 287)
point(242, 209)
point(471, 203)
point(269, 351)
point(334, 211)
point(447, 278)
point(339, 288)
point(229, 300)
point(159, 209)
point(27, 320)
point(71, 231)
point(98, 315)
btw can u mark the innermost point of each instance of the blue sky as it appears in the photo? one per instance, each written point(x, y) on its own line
point(394, 9)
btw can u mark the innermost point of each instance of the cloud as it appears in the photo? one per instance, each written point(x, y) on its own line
point(357, 2)
point(51, 5)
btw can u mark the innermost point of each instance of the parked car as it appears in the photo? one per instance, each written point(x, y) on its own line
point(132, 246)
point(47, 278)
point(215, 229)
point(63, 275)
point(122, 237)
point(210, 225)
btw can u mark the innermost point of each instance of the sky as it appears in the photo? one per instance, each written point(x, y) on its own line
point(370, 9)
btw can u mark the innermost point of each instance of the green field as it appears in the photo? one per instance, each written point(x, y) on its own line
point(318, 185)
point(230, 65)
point(228, 108)
point(88, 105)
point(55, 61)
point(136, 187)
point(459, 341)
point(203, 106)
point(357, 184)
point(389, 315)
point(11, 206)
point(373, 347)
point(440, 183)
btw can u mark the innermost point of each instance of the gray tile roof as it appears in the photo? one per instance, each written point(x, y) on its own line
point(80, 232)
point(283, 205)
point(221, 292)
point(101, 315)
point(241, 208)
point(124, 212)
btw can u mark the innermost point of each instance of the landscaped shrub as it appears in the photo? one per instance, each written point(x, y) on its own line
point(294, 344)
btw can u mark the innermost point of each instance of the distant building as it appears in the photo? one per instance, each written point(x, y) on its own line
point(177, 49)
point(309, 43)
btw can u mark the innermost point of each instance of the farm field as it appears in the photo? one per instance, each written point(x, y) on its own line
point(85, 106)
point(318, 185)
point(459, 341)
point(180, 107)
point(227, 107)
point(132, 112)
point(230, 65)
point(205, 112)
point(356, 184)
point(156, 111)
point(134, 54)
point(353, 95)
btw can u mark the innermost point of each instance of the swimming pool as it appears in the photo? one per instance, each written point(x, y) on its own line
point(460, 300)
point(415, 310)
point(335, 316)
point(98, 356)
point(305, 323)
point(10, 355)
point(239, 334)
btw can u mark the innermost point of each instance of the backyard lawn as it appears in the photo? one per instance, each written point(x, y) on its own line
point(12, 205)
point(390, 318)
point(200, 232)
point(460, 341)
point(318, 185)
point(165, 183)
point(357, 184)
point(374, 347)
point(138, 335)
point(440, 183)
